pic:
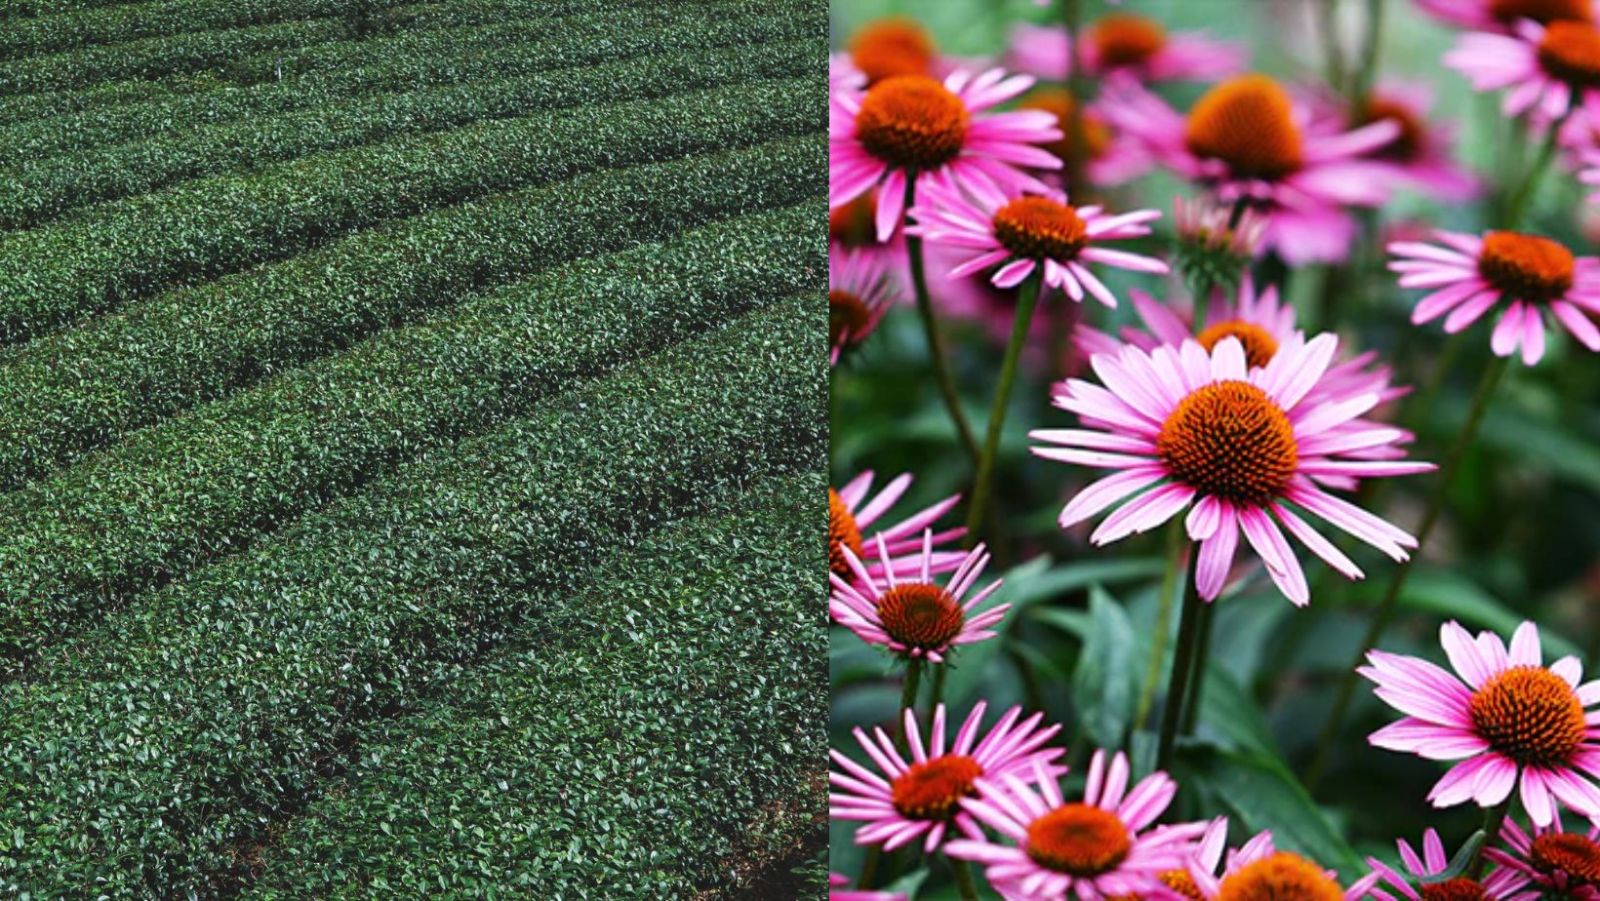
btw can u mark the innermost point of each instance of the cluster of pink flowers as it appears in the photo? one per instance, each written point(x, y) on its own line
point(966, 186)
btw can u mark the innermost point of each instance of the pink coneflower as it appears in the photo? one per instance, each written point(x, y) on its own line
point(944, 133)
point(1181, 425)
point(1126, 44)
point(892, 46)
point(1109, 156)
point(1019, 233)
point(850, 514)
point(1510, 720)
point(1092, 848)
point(843, 74)
point(1546, 68)
point(1213, 227)
point(1566, 863)
point(860, 290)
point(1501, 15)
point(912, 615)
point(838, 891)
point(1260, 871)
point(1246, 141)
point(1424, 884)
point(1469, 275)
point(921, 798)
point(1422, 155)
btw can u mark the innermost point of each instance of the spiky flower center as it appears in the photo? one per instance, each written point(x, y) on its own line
point(933, 789)
point(1526, 266)
point(912, 122)
point(1570, 51)
point(1412, 140)
point(842, 533)
point(1541, 11)
point(1247, 123)
point(1458, 889)
point(850, 224)
point(1178, 881)
point(1059, 103)
point(1530, 715)
point(1122, 39)
point(1281, 877)
point(1571, 853)
point(1040, 228)
point(890, 47)
point(920, 616)
point(1079, 839)
point(847, 317)
point(1229, 439)
point(1259, 345)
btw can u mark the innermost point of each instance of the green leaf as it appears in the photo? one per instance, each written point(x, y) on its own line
point(1261, 792)
point(1103, 685)
point(1228, 712)
point(1449, 595)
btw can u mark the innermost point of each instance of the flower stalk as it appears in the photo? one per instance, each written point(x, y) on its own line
point(930, 326)
point(1027, 300)
point(1184, 664)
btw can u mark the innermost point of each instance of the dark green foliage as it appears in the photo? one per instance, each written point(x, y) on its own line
point(109, 115)
point(199, 230)
point(642, 731)
point(211, 481)
point(129, 369)
point(154, 750)
point(40, 191)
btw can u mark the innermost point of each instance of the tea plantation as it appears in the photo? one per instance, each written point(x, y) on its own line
point(411, 425)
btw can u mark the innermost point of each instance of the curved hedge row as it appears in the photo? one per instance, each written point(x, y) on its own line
point(164, 742)
point(38, 192)
point(153, 57)
point(82, 28)
point(171, 497)
point(199, 230)
point(641, 723)
point(20, 110)
point(563, 47)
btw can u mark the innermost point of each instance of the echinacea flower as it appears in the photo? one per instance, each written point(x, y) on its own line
point(1246, 140)
point(1215, 241)
point(1501, 15)
point(1015, 234)
point(851, 513)
point(892, 46)
point(920, 798)
point(843, 74)
point(1258, 871)
point(1109, 157)
point(1566, 863)
point(860, 291)
point(939, 133)
point(1510, 721)
point(915, 616)
point(1127, 44)
point(838, 891)
point(1094, 848)
point(1422, 155)
point(1244, 446)
point(1529, 274)
point(1424, 883)
point(1545, 68)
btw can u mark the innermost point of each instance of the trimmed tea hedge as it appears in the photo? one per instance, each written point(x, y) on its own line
point(156, 357)
point(118, 120)
point(21, 109)
point(167, 55)
point(38, 192)
point(157, 748)
point(199, 230)
point(171, 497)
point(644, 724)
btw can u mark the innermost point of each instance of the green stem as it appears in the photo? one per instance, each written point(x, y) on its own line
point(1361, 85)
point(1170, 588)
point(1183, 664)
point(1027, 299)
point(1493, 817)
point(869, 869)
point(930, 325)
point(1078, 89)
point(1197, 679)
point(908, 699)
point(937, 695)
point(1380, 620)
point(1333, 63)
point(964, 883)
point(1529, 186)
